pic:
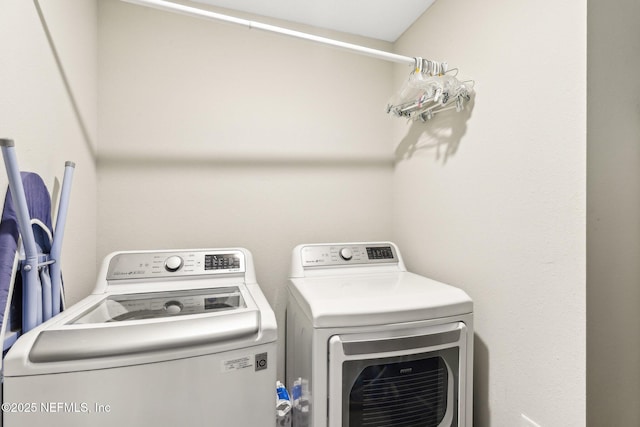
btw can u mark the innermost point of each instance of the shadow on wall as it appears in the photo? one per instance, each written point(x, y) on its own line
point(481, 409)
point(442, 133)
point(206, 160)
point(65, 81)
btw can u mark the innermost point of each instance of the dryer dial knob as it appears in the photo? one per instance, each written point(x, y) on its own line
point(173, 263)
point(346, 254)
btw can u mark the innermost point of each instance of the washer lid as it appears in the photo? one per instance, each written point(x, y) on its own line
point(113, 330)
point(141, 323)
point(154, 305)
point(342, 301)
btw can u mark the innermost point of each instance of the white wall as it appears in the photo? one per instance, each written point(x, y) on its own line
point(497, 207)
point(213, 135)
point(613, 233)
point(48, 73)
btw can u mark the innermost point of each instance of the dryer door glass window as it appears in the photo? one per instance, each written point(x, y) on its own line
point(416, 390)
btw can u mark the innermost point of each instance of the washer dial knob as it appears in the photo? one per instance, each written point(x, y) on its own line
point(346, 254)
point(173, 263)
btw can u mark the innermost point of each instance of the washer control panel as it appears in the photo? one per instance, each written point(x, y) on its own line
point(143, 265)
point(347, 254)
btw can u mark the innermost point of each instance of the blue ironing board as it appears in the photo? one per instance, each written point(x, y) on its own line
point(39, 205)
point(30, 276)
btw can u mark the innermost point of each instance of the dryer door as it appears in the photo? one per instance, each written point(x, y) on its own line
point(400, 378)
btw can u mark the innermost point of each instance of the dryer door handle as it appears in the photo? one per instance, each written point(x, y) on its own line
point(400, 344)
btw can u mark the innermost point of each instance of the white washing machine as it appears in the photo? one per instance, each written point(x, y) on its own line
point(183, 337)
point(370, 344)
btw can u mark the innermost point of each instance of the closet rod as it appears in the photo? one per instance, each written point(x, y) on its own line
point(192, 11)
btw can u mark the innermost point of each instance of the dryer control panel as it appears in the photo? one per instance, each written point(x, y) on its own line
point(347, 254)
point(144, 265)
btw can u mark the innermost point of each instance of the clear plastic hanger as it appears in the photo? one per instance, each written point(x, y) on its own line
point(430, 89)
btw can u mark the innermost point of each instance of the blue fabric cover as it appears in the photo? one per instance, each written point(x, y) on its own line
point(39, 203)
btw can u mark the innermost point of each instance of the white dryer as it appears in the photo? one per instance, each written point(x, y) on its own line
point(182, 337)
point(370, 344)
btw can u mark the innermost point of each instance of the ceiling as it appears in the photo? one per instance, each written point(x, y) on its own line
point(378, 19)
